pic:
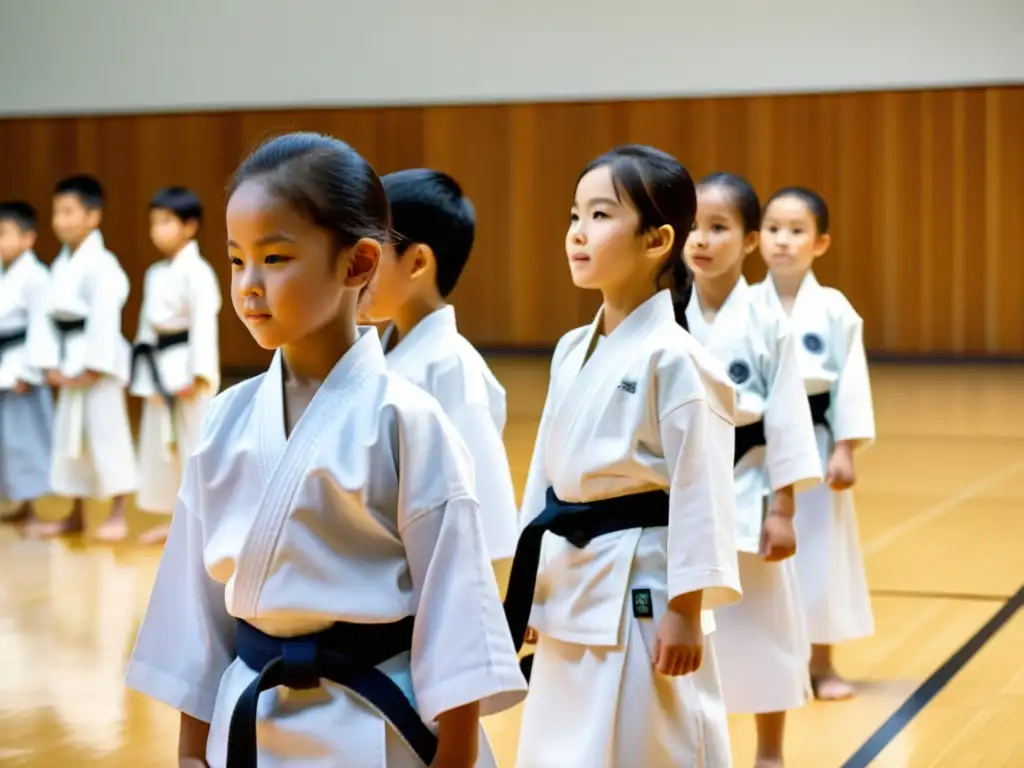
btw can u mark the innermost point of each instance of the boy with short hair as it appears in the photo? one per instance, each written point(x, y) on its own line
point(26, 349)
point(93, 452)
point(176, 358)
point(434, 227)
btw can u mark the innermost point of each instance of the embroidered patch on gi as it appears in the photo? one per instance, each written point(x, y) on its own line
point(628, 386)
point(739, 371)
point(813, 343)
point(643, 606)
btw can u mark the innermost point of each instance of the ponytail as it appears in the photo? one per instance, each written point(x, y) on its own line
point(681, 290)
point(676, 277)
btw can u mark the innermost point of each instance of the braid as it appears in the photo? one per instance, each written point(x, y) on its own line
point(675, 276)
point(681, 290)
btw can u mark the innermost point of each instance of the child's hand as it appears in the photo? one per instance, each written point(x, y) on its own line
point(778, 538)
point(839, 475)
point(458, 739)
point(197, 387)
point(21, 388)
point(679, 644)
point(55, 378)
point(82, 381)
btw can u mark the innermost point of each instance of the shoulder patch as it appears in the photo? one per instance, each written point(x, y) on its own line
point(739, 371)
point(813, 343)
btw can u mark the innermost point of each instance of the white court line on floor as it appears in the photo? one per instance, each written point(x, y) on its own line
point(935, 511)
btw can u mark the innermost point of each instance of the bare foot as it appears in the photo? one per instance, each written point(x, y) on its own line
point(831, 687)
point(114, 528)
point(22, 515)
point(157, 535)
point(71, 525)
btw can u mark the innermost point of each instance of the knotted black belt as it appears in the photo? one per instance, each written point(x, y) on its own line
point(67, 327)
point(11, 339)
point(346, 654)
point(578, 523)
point(750, 436)
point(147, 353)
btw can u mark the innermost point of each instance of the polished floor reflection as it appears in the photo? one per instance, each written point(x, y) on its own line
point(940, 499)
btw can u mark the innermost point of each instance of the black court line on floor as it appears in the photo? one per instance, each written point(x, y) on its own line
point(927, 691)
point(973, 597)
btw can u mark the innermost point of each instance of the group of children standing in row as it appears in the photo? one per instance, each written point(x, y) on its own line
point(344, 519)
point(60, 329)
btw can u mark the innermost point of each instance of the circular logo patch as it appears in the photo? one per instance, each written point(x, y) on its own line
point(739, 371)
point(813, 343)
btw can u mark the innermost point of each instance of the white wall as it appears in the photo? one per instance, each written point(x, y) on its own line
point(98, 56)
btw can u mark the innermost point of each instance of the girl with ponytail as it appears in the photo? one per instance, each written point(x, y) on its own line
point(762, 642)
point(629, 534)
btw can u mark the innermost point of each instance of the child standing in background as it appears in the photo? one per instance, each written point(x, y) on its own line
point(761, 641)
point(26, 351)
point(830, 334)
point(434, 226)
point(176, 358)
point(94, 456)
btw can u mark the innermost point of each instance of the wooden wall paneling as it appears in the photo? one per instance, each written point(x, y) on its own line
point(971, 152)
point(923, 187)
point(1005, 144)
point(487, 285)
point(941, 255)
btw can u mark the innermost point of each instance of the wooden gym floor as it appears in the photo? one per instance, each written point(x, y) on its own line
point(941, 508)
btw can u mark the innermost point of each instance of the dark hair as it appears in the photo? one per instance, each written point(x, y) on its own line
point(86, 188)
point(181, 201)
point(814, 202)
point(744, 197)
point(662, 192)
point(429, 207)
point(22, 214)
point(324, 180)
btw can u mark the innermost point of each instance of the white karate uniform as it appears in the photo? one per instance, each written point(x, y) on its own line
point(93, 451)
point(179, 294)
point(26, 420)
point(761, 642)
point(648, 409)
point(435, 357)
point(829, 564)
point(365, 513)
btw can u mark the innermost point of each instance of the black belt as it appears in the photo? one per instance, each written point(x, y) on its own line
point(66, 328)
point(578, 523)
point(11, 340)
point(750, 436)
point(147, 352)
point(346, 654)
point(70, 326)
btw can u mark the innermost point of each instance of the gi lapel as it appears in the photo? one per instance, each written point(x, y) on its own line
point(808, 297)
point(437, 328)
point(811, 328)
point(13, 305)
point(284, 460)
point(718, 336)
point(584, 385)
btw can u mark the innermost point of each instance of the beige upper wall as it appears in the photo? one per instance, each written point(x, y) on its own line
point(101, 56)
